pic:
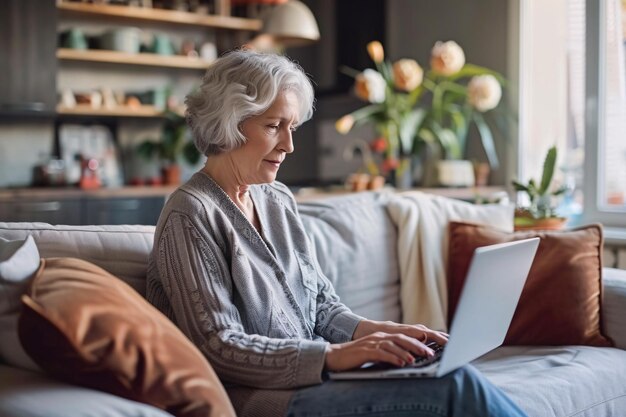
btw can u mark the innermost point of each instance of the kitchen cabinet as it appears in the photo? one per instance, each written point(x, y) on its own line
point(28, 62)
point(122, 210)
point(50, 210)
point(73, 206)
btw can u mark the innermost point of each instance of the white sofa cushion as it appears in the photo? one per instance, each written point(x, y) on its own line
point(355, 244)
point(562, 381)
point(29, 394)
point(19, 260)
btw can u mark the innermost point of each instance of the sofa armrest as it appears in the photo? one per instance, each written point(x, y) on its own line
point(614, 305)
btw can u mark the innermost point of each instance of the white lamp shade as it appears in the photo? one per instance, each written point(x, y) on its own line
point(292, 23)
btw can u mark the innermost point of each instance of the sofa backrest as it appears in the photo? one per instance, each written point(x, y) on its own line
point(352, 235)
point(121, 250)
point(355, 242)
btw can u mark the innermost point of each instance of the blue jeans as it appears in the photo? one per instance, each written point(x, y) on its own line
point(463, 393)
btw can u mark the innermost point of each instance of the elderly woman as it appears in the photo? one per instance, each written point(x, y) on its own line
point(232, 267)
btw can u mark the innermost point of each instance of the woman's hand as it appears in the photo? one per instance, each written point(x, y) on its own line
point(397, 349)
point(416, 331)
point(383, 341)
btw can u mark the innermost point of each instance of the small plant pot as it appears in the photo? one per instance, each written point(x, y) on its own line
point(481, 173)
point(376, 182)
point(455, 173)
point(358, 182)
point(525, 222)
point(171, 174)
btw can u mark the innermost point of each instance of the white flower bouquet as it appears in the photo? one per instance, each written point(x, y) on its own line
point(409, 107)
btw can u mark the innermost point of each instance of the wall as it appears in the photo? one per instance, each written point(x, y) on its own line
point(22, 145)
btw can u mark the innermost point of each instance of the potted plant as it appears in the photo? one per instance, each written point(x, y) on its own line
point(410, 107)
point(170, 147)
point(392, 92)
point(541, 213)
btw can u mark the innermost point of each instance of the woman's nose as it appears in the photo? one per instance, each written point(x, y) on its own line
point(286, 141)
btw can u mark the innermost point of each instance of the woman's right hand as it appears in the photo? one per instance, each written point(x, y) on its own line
point(396, 349)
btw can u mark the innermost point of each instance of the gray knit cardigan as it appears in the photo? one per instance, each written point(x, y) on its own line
point(255, 304)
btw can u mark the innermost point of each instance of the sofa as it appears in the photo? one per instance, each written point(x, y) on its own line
point(357, 241)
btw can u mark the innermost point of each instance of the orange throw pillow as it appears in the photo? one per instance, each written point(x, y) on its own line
point(560, 302)
point(84, 326)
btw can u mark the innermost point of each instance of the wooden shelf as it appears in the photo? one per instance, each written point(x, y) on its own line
point(159, 15)
point(118, 111)
point(115, 57)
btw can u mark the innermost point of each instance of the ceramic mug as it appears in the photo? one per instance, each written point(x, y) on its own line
point(75, 39)
point(162, 45)
point(123, 40)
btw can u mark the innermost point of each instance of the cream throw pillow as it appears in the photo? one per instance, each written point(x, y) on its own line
point(19, 260)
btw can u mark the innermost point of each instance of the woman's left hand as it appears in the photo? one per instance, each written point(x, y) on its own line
point(417, 331)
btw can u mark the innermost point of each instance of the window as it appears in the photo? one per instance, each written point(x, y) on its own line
point(552, 94)
point(572, 76)
point(605, 187)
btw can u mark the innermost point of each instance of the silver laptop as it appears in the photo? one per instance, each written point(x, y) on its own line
point(492, 289)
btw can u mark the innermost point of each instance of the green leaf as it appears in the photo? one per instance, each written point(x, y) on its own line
point(449, 142)
point(560, 191)
point(548, 170)
point(428, 83)
point(147, 149)
point(349, 71)
point(437, 103)
point(460, 126)
point(499, 122)
point(415, 95)
point(519, 186)
point(427, 135)
point(487, 140)
point(532, 190)
point(408, 126)
point(191, 153)
point(453, 87)
point(366, 112)
point(384, 68)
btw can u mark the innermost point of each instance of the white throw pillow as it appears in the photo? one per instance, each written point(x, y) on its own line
point(19, 260)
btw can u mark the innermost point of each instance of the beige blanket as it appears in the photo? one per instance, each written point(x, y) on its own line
point(422, 221)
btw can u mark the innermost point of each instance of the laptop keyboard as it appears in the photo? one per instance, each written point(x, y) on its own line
point(422, 361)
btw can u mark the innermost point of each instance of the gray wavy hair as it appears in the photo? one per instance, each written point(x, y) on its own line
point(239, 85)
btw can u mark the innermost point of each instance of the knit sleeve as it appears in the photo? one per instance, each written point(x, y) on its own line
point(335, 322)
point(196, 279)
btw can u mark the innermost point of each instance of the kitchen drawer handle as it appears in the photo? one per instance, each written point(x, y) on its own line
point(43, 206)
